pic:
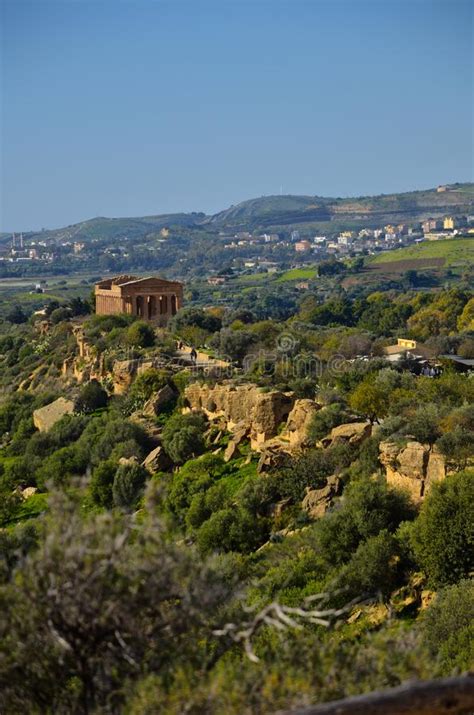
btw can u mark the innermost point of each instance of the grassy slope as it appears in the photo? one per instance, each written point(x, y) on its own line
point(297, 274)
point(455, 251)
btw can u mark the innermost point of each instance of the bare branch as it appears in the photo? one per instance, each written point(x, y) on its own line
point(282, 617)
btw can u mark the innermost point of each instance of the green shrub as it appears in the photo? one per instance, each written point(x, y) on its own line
point(102, 482)
point(195, 477)
point(61, 466)
point(324, 420)
point(367, 509)
point(140, 335)
point(448, 627)
point(129, 482)
point(443, 534)
point(372, 569)
point(183, 437)
point(92, 396)
point(232, 529)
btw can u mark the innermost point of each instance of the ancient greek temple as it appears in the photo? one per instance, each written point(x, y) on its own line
point(153, 299)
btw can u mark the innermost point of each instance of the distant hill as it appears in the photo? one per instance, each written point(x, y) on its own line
point(280, 213)
point(277, 211)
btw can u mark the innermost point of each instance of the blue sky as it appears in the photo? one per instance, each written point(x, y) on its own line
point(127, 108)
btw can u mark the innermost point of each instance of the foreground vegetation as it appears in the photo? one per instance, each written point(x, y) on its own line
point(193, 585)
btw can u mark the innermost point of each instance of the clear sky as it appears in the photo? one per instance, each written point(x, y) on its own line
point(127, 108)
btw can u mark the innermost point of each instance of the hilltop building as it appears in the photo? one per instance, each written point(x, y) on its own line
point(152, 298)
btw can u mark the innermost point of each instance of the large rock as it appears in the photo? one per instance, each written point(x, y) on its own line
point(158, 401)
point(317, 501)
point(413, 467)
point(45, 417)
point(245, 408)
point(28, 492)
point(298, 422)
point(157, 460)
point(231, 451)
point(351, 432)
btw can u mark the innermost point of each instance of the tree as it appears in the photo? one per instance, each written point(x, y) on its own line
point(140, 335)
point(102, 601)
point(443, 534)
point(60, 314)
point(424, 424)
point(92, 396)
point(233, 344)
point(370, 400)
point(466, 319)
point(369, 507)
point(145, 385)
point(448, 627)
point(183, 437)
point(78, 306)
point(373, 568)
point(102, 482)
point(129, 482)
point(232, 529)
point(197, 318)
point(17, 315)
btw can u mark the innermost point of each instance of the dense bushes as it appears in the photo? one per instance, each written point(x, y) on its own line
point(368, 508)
point(183, 437)
point(91, 397)
point(448, 627)
point(128, 485)
point(443, 534)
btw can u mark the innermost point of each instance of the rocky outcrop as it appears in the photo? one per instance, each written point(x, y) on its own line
point(317, 501)
point(124, 372)
point(298, 422)
point(157, 460)
point(45, 417)
point(231, 451)
point(28, 492)
point(413, 467)
point(257, 412)
point(275, 454)
point(158, 401)
point(351, 432)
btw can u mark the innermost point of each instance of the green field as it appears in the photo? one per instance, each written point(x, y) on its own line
point(298, 274)
point(454, 251)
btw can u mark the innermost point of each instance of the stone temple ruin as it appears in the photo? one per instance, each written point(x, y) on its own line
point(153, 299)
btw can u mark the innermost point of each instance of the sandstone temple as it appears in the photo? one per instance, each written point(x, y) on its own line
point(152, 298)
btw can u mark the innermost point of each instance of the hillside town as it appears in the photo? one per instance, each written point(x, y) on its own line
point(248, 251)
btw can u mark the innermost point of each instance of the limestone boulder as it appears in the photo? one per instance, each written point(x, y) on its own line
point(269, 411)
point(240, 432)
point(157, 460)
point(28, 492)
point(317, 501)
point(45, 417)
point(231, 451)
point(413, 460)
point(128, 460)
point(413, 467)
point(351, 432)
point(436, 468)
point(298, 422)
point(158, 401)
point(245, 409)
point(123, 373)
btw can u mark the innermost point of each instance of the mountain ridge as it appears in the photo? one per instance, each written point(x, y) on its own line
point(277, 212)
